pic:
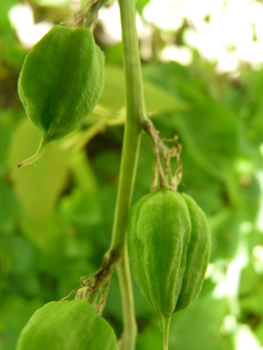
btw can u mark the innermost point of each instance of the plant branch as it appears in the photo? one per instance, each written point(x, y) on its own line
point(129, 320)
point(135, 121)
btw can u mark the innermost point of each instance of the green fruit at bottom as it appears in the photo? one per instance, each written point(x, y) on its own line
point(67, 325)
point(169, 244)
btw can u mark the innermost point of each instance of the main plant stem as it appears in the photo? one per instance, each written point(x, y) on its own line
point(135, 121)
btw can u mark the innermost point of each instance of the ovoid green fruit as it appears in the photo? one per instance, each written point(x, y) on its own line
point(60, 82)
point(169, 244)
point(67, 325)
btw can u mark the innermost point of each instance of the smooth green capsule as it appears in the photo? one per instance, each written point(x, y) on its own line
point(67, 325)
point(60, 82)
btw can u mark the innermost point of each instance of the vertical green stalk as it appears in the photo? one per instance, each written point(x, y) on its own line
point(166, 327)
point(129, 320)
point(135, 121)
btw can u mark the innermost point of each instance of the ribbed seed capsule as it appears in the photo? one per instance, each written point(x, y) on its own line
point(198, 251)
point(169, 244)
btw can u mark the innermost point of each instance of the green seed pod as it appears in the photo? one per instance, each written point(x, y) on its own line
point(67, 325)
point(60, 82)
point(169, 243)
point(198, 252)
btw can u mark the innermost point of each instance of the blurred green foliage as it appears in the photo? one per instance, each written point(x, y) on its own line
point(56, 218)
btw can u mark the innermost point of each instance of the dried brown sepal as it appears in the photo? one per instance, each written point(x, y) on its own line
point(162, 171)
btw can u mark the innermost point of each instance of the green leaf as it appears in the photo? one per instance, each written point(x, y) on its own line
point(208, 130)
point(14, 55)
point(5, 136)
point(150, 338)
point(250, 291)
point(15, 312)
point(10, 209)
point(21, 254)
point(198, 327)
point(83, 172)
point(81, 207)
point(52, 3)
point(140, 4)
point(156, 99)
point(67, 325)
point(37, 187)
point(6, 32)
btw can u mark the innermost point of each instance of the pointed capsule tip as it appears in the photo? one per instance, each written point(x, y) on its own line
point(32, 160)
point(24, 163)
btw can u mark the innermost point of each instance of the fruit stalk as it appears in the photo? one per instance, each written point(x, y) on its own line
point(166, 327)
